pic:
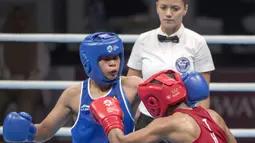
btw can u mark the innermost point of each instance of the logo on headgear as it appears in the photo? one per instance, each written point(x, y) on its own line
point(182, 64)
point(115, 47)
point(109, 48)
point(175, 92)
point(112, 48)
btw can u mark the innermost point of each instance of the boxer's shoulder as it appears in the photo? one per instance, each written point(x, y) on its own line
point(73, 89)
point(70, 94)
point(217, 118)
point(131, 81)
point(130, 85)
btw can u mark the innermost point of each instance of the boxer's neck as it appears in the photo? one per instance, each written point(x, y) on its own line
point(100, 88)
point(180, 105)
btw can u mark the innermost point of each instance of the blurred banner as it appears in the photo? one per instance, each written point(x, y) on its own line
point(236, 108)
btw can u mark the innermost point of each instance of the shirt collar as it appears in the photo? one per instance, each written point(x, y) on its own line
point(178, 32)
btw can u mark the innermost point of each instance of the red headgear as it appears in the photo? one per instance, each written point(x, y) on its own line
point(168, 90)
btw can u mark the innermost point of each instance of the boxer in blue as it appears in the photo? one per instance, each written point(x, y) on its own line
point(102, 56)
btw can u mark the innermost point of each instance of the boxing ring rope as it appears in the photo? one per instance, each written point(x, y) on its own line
point(127, 38)
point(19, 84)
point(238, 133)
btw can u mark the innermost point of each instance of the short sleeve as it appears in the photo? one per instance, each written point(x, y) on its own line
point(203, 58)
point(135, 60)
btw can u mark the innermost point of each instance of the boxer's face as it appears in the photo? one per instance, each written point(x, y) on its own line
point(171, 13)
point(110, 66)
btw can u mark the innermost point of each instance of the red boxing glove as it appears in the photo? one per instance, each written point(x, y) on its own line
point(107, 112)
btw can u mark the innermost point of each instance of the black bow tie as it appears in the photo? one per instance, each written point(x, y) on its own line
point(174, 39)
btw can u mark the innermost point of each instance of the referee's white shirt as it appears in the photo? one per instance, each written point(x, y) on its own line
point(151, 56)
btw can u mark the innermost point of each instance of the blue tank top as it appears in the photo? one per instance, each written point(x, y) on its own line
point(86, 129)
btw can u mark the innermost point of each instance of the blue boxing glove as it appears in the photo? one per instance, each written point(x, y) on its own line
point(196, 86)
point(18, 127)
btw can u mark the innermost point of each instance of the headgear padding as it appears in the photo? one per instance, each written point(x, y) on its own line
point(95, 46)
point(163, 89)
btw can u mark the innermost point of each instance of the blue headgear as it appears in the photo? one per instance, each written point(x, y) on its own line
point(95, 46)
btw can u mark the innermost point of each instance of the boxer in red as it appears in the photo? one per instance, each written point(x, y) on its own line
point(165, 97)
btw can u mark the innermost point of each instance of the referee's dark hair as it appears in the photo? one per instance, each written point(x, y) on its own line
point(184, 1)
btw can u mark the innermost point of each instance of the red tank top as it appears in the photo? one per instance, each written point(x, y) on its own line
point(210, 131)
